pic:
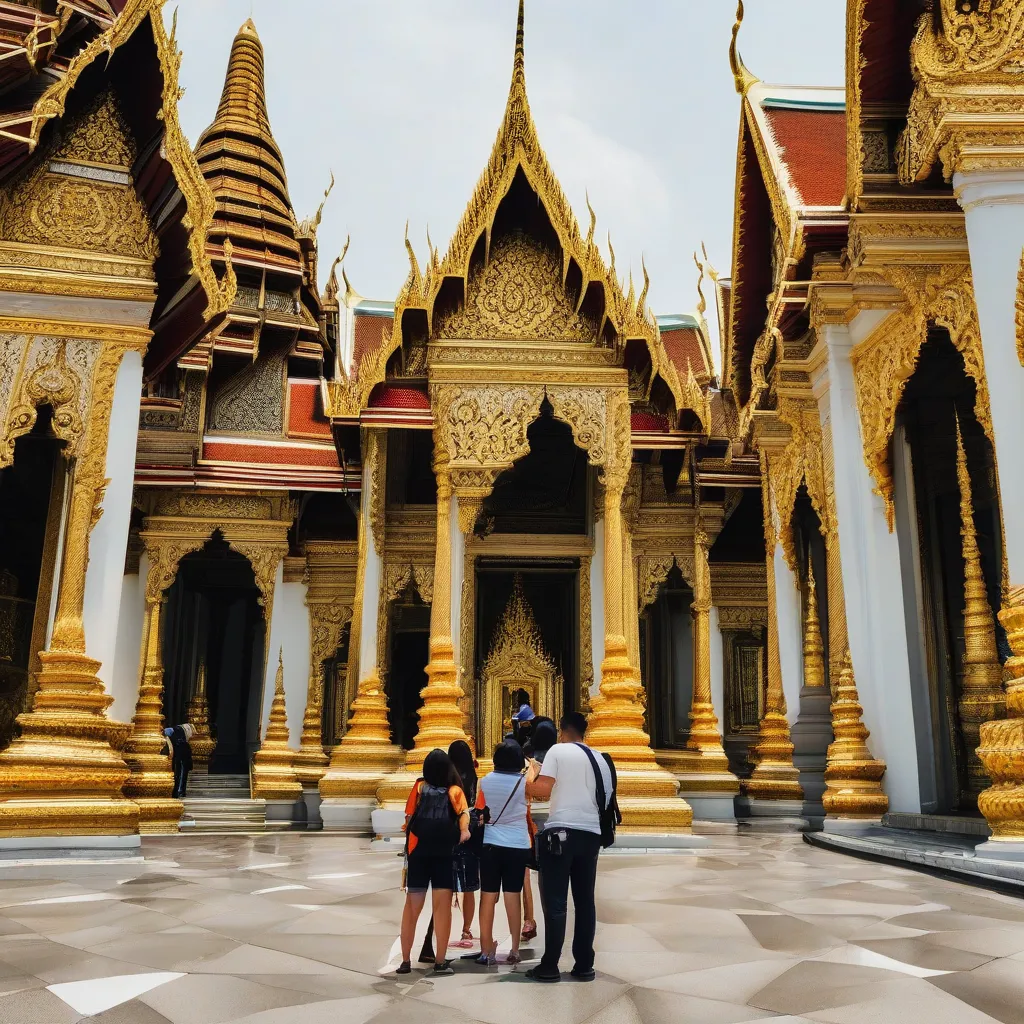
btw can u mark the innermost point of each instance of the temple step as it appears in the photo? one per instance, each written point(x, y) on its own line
point(202, 784)
point(207, 814)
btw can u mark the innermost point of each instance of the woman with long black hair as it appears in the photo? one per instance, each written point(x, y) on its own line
point(467, 863)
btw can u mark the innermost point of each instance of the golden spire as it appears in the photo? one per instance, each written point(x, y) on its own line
point(702, 304)
point(741, 75)
point(853, 778)
point(814, 647)
point(981, 697)
point(199, 718)
point(240, 159)
point(273, 767)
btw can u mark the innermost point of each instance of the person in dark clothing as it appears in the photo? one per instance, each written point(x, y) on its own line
point(569, 846)
point(177, 739)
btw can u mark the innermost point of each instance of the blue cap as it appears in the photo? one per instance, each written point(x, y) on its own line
point(524, 714)
point(168, 732)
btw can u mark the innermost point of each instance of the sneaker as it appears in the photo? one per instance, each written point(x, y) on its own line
point(442, 968)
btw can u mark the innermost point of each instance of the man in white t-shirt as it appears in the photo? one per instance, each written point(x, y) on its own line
point(569, 846)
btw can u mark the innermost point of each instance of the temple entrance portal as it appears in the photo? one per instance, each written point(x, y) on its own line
point(214, 620)
point(30, 495)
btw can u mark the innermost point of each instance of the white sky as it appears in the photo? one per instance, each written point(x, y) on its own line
point(633, 100)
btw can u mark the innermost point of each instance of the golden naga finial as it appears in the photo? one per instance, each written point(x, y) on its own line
point(320, 208)
point(641, 304)
point(708, 265)
point(702, 304)
point(593, 222)
point(611, 255)
point(331, 291)
point(742, 76)
point(415, 277)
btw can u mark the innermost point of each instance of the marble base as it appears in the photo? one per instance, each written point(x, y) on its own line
point(711, 806)
point(771, 815)
point(285, 814)
point(311, 798)
point(388, 823)
point(347, 814)
point(71, 846)
point(995, 849)
point(850, 826)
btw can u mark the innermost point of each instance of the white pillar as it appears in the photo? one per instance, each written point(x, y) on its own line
point(993, 203)
point(872, 578)
point(458, 548)
point(787, 615)
point(597, 605)
point(123, 680)
point(717, 669)
point(371, 585)
point(108, 542)
point(289, 633)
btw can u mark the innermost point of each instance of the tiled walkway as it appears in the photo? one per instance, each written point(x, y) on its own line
point(301, 930)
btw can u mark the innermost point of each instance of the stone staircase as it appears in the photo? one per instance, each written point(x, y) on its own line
point(221, 803)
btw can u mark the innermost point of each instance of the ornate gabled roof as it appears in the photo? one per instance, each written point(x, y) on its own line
point(517, 150)
point(243, 165)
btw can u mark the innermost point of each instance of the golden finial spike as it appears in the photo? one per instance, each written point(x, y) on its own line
point(743, 78)
point(611, 254)
point(519, 65)
point(702, 302)
point(415, 278)
point(641, 304)
point(593, 222)
point(814, 645)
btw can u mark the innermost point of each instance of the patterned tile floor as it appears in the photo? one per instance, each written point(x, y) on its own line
point(301, 930)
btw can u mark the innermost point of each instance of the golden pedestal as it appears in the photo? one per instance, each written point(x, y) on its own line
point(775, 777)
point(273, 766)
point(202, 743)
point(648, 794)
point(310, 760)
point(63, 775)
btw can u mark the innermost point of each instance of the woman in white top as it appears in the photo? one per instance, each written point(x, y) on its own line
point(506, 848)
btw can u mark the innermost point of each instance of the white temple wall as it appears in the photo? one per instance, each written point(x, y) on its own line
point(371, 586)
point(108, 541)
point(872, 577)
point(787, 615)
point(993, 203)
point(717, 669)
point(289, 631)
point(597, 604)
point(123, 680)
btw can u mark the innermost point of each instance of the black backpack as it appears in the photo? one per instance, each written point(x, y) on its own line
point(434, 823)
point(607, 807)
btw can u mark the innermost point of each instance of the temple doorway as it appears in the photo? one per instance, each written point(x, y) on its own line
point(527, 637)
point(666, 659)
point(407, 672)
point(928, 524)
point(31, 491)
point(214, 621)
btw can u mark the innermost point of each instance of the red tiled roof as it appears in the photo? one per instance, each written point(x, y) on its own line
point(398, 396)
point(813, 147)
point(305, 417)
point(270, 455)
point(368, 334)
point(648, 421)
point(684, 344)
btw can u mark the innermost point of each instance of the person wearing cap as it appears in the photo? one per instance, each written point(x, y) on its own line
point(177, 740)
point(522, 724)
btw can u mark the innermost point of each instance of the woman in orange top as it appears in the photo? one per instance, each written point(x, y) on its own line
point(436, 821)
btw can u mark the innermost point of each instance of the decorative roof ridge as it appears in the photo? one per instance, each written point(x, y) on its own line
point(742, 76)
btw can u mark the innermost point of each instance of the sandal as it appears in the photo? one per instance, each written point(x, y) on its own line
point(529, 931)
point(443, 967)
point(487, 961)
point(513, 958)
point(466, 942)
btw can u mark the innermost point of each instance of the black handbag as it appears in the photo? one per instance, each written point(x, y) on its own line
point(607, 807)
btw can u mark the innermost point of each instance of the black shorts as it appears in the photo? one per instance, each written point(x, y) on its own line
point(429, 871)
point(503, 868)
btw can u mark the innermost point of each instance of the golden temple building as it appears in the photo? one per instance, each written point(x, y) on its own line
point(333, 533)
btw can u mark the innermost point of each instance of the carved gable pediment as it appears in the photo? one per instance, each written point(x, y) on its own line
point(518, 295)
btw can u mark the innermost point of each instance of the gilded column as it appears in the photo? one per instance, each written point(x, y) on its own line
point(151, 782)
point(63, 775)
point(273, 766)
point(199, 718)
point(981, 694)
point(775, 779)
point(703, 769)
point(648, 794)
point(853, 778)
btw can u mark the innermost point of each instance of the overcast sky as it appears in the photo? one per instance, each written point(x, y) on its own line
point(633, 101)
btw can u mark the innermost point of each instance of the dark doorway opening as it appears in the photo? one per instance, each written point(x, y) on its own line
point(25, 511)
point(407, 675)
point(214, 615)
